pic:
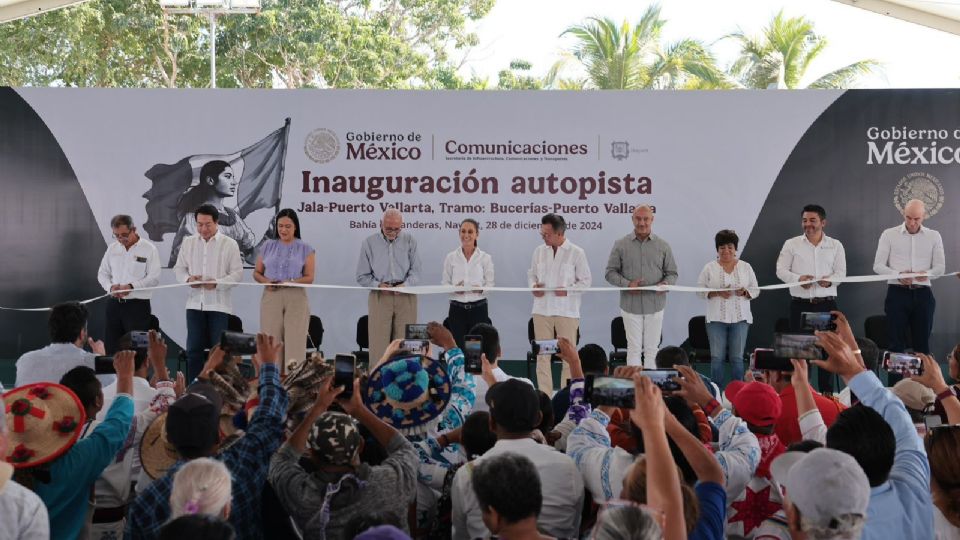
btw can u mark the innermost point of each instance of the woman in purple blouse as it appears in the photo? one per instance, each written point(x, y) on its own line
point(284, 310)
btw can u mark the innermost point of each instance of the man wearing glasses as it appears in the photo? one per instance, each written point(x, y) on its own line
point(561, 265)
point(131, 263)
point(388, 259)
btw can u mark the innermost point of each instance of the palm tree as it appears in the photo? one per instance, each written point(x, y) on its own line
point(779, 58)
point(621, 57)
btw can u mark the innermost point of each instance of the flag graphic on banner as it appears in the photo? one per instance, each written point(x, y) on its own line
point(259, 168)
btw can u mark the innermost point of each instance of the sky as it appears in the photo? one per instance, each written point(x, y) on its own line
point(913, 56)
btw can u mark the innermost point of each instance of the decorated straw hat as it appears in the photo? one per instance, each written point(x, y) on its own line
point(157, 455)
point(409, 392)
point(302, 384)
point(43, 421)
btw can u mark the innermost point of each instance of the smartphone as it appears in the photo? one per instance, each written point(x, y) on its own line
point(103, 365)
point(344, 370)
point(237, 343)
point(902, 364)
point(932, 421)
point(417, 331)
point(472, 349)
point(136, 341)
point(416, 346)
point(612, 391)
point(814, 321)
point(800, 346)
point(139, 339)
point(544, 346)
point(663, 378)
point(764, 359)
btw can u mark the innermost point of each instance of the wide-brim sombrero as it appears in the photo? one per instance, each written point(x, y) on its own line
point(43, 421)
point(409, 392)
point(157, 455)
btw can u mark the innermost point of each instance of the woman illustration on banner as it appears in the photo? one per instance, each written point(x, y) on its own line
point(728, 310)
point(284, 310)
point(217, 183)
point(467, 266)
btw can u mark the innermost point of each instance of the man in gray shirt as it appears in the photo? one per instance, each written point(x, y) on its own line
point(641, 259)
point(388, 259)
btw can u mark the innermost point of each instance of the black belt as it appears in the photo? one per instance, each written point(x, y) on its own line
point(908, 287)
point(469, 305)
point(815, 300)
point(125, 300)
point(109, 515)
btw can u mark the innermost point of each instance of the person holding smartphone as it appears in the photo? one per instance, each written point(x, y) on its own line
point(284, 310)
point(467, 266)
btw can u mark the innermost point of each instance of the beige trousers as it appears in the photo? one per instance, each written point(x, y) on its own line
point(285, 313)
point(389, 315)
point(545, 327)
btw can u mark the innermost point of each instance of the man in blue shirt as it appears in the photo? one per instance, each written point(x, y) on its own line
point(192, 428)
point(388, 259)
point(881, 437)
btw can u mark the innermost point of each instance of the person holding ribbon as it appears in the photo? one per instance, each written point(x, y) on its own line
point(285, 310)
point(467, 266)
point(728, 308)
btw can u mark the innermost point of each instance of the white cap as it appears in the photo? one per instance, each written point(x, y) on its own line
point(826, 485)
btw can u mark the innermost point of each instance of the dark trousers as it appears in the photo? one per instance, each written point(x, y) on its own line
point(801, 305)
point(463, 316)
point(909, 312)
point(203, 332)
point(124, 316)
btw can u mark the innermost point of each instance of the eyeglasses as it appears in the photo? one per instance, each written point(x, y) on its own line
point(125, 235)
point(391, 229)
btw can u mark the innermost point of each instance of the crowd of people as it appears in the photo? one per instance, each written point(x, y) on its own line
point(420, 445)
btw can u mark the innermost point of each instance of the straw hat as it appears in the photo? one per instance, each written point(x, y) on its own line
point(43, 421)
point(157, 455)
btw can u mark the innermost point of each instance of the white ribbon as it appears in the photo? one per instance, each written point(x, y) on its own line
point(447, 289)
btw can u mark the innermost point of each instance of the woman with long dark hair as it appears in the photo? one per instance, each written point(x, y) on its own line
point(285, 310)
point(217, 183)
point(467, 266)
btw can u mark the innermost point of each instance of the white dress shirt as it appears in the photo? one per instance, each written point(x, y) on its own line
point(480, 391)
point(567, 268)
point(52, 362)
point(733, 309)
point(899, 251)
point(824, 261)
point(217, 258)
point(560, 483)
point(138, 266)
point(476, 273)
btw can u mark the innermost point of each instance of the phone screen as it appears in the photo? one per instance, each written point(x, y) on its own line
point(612, 391)
point(237, 343)
point(103, 365)
point(903, 364)
point(472, 349)
point(416, 346)
point(765, 359)
point(417, 331)
point(545, 346)
point(663, 378)
point(814, 321)
point(344, 367)
point(139, 339)
point(800, 346)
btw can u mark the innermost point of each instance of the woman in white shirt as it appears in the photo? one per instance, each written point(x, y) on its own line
point(728, 309)
point(467, 266)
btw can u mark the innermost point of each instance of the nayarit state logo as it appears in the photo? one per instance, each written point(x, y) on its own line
point(321, 145)
point(921, 186)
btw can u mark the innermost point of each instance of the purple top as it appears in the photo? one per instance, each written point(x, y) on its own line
point(282, 262)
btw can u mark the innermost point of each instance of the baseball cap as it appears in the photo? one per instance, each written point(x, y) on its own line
point(193, 421)
point(334, 438)
point(913, 394)
point(514, 405)
point(826, 485)
point(755, 402)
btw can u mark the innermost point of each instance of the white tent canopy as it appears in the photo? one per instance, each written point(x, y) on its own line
point(940, 14)
point(17, 9)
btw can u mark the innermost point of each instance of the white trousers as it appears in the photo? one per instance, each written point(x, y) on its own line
point(643, 337)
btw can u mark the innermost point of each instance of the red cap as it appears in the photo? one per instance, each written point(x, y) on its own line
point(755, 402)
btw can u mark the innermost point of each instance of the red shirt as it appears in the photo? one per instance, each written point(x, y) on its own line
point(788, 426)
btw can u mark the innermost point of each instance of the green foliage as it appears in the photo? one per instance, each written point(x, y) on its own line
point(300, 43)
point(625, 57)
point(517, 77)
point(781, 55)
